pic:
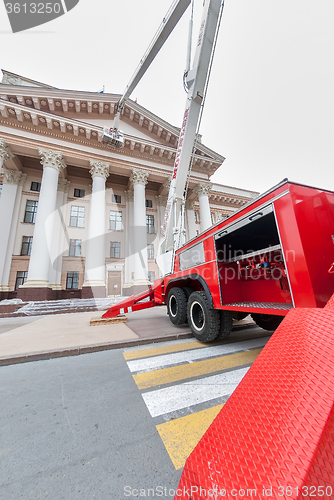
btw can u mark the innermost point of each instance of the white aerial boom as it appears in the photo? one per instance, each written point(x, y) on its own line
point(113, 135)
point(196, 80)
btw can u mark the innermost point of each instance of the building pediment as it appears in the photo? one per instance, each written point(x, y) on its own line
point(77, 116)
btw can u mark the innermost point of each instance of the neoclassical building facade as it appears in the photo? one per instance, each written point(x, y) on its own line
point(80, 218)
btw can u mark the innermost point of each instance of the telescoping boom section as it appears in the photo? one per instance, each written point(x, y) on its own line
point(274, 254)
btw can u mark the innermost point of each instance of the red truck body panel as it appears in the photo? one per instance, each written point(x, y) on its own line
point(275, 253)
point(270, 256)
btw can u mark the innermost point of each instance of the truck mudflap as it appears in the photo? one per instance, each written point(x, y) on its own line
point(274, 435)
point(138, 302)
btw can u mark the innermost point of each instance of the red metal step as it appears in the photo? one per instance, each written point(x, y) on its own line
point(275, 435)
point(135, 302)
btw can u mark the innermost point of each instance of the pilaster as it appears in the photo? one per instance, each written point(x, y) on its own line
point(190, 219)
point(129, 241)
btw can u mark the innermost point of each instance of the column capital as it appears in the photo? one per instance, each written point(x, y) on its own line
point(138, 176)
point(63, 185)
point(168, 182)
point(202, 189)
point(5, 151)
point(218, 216)
point(129, 195)
point(190, 204)
point(161, 200)
point(99, 168)
point(13, 177)
point(53, 159)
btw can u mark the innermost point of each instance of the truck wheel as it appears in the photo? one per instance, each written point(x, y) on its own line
point(267, 321)
point(177, 306)
point(226, 321)
point(203, 321)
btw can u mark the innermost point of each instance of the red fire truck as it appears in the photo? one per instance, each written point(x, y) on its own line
point(275, 253)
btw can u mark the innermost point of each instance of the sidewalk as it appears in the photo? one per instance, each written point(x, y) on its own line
point(43, 337)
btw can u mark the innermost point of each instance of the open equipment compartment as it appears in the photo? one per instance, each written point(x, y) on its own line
point(250, 261)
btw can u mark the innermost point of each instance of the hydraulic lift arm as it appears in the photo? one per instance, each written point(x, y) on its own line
point(197, 81)
point(113, 135)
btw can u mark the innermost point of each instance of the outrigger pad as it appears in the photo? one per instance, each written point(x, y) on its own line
point(275, 434)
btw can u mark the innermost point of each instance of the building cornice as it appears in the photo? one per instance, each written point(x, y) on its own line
point(89, 104)
point(73, 130)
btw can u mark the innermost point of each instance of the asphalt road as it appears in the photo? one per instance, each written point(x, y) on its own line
point(78, 428)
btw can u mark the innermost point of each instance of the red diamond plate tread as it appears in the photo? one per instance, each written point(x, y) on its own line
point(330, 303)
point(277, 429)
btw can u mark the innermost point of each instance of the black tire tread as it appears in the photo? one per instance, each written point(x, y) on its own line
point(267, 321)
point(181, 298)
point(213, 318)
point(226, 322)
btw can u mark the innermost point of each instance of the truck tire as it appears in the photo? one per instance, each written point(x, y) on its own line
point(203, 321)
point(226, 321)
point(267, 321)
point(177, 306)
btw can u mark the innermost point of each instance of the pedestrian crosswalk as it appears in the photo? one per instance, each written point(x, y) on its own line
point(184, 384)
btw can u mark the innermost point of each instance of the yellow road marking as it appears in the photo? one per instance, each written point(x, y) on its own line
point(180, 436)
point(189, 370)
point(185, 346)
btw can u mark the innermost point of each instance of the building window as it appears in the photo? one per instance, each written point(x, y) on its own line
point(31, 210)
point(72, 281)
point(115, 249)
point(151, 276)
point(150, 251)
point(26, 245)
point(148, 203)
point(115, 220)
point(77, 218)
point(35, 186)
point(21, 276)
point(79, 193)
point(0, 189)
point(196, 217)
point(75, 248)
point(116, 198)
point(150, 224)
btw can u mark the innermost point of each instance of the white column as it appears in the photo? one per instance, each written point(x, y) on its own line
point(39, 265)
point(95, 268)
point(190, 219)
point(129, 243)
point(139, 180)
point(202, 191)
point(9, 213)
point(58, 236)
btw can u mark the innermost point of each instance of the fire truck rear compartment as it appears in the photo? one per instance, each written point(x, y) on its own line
point(251, 267)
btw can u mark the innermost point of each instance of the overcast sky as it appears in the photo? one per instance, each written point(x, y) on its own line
point(270, 103)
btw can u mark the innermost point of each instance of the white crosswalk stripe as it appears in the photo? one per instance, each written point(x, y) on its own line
point(156, 362)
point(169, 399)
point(186, 384)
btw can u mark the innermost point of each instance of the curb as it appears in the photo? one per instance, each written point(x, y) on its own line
point(77, 351)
